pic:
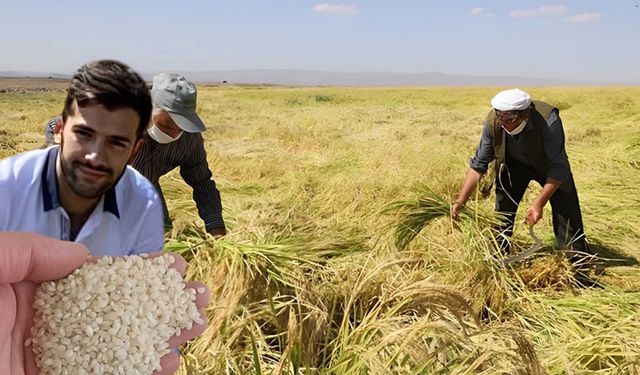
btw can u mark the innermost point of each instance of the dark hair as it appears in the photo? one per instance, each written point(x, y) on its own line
point(111, 84)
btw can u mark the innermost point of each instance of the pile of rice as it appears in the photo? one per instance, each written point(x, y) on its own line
point(114, 316)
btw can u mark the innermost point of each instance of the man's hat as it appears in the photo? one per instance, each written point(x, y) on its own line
point(511, 100)
point(174, 94)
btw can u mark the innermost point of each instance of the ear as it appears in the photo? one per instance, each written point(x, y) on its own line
point(59, 125)
point(57, 131)
point(136, 149)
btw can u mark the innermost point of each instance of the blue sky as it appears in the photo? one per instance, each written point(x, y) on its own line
point(585, 40)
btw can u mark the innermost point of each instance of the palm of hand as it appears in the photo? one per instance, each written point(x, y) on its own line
point(28, 256)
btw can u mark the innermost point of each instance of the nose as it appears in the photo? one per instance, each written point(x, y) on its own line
point(95, 154)
point(509, 120)
point(91, 157)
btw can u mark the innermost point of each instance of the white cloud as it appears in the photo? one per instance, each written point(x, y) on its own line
point(481, 11)
point(584, 17)
point(341, 9)
point(543, 11)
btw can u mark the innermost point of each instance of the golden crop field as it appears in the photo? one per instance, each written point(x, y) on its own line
point(309, 279)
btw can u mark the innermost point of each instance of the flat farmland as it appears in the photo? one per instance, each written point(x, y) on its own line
point(309, 278)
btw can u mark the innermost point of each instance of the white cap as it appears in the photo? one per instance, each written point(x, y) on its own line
point(511, 100)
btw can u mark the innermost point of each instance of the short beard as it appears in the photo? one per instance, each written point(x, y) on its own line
point(87, 192)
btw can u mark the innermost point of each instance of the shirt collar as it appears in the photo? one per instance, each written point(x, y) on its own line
point(50, 199)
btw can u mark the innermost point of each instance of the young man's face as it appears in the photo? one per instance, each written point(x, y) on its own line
point(96, 145)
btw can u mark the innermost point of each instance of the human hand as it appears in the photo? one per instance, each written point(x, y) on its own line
point(218, 232)
point(171, 361)
point(534, 214)
point(456, 207)
point(25, 260)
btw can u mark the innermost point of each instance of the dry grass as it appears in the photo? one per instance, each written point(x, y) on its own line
point(310, 280)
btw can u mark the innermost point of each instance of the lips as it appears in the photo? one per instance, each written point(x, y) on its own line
point(92, 173)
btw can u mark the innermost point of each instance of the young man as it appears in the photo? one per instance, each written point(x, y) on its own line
point(83, 190)
point(174, 140)
point(526, 140)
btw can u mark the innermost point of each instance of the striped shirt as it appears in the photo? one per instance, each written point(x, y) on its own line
point(155, 160)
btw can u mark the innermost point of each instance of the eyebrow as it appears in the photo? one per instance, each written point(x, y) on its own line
point(120, 138)
point(88, 129)
point(83, 127)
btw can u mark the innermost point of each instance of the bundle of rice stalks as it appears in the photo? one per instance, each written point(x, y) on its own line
point(414, 214)
point(593, 332)
point(423, 328)
point(547, 272)
point(257, 290)
point(466, 257)
point(387, 315)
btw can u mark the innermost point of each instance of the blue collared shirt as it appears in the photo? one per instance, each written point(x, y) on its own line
point(127, 219)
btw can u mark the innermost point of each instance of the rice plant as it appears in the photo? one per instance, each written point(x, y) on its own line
point(340, 260)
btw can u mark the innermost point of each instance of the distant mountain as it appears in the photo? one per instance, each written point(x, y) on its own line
point(28, 74)
point(324, 78)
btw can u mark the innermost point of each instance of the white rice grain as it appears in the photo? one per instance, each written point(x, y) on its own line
point(112, 316)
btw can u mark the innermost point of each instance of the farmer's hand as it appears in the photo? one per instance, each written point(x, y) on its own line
point(456, 207)
point(534, 214)
point(218, 232)
point(171, 362)
point(25, 260)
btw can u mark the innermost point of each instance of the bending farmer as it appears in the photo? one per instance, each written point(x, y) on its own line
point(526, 140)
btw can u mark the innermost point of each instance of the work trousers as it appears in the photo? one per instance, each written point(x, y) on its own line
point(511, 185)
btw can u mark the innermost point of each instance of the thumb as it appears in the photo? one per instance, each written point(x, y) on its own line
point(33, 257)
point(529, 218)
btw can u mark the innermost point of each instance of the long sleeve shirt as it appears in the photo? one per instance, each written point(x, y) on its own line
point(188, 153)
point(553, 143)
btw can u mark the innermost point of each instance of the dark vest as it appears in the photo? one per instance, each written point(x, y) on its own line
point(533, 137)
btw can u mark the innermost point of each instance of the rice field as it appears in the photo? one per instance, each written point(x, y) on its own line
point(341, 257)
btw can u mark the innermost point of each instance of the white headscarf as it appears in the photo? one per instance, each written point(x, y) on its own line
point(511, 100)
